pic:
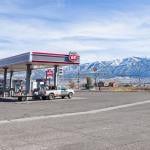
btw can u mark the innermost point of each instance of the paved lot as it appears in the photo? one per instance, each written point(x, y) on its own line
point(83, 123)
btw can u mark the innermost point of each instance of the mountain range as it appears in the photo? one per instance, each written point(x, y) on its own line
point(133, 67)
point(128, 67)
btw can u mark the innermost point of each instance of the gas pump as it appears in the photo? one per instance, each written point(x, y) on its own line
point(18, 86)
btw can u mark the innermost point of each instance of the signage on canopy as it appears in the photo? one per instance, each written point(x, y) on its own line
point(49, 73)
point(73, 56)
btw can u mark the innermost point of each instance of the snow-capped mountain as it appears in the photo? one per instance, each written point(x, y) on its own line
point(129, 67)
point(132, 67)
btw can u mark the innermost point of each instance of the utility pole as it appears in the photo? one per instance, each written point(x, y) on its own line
point(95, 71)
point(139, 74)
point(78, 77)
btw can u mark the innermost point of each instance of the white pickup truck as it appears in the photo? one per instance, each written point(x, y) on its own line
point(46, 92)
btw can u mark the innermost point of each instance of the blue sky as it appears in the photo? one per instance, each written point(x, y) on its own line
point(96, 29)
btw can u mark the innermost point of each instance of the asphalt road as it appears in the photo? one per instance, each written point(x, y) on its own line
point(91, 120)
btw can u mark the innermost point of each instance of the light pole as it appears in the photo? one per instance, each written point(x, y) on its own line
point(78, 77)
point(95, 70)
point(139, 74)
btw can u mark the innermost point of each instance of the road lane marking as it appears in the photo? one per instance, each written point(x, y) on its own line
point(74, 114)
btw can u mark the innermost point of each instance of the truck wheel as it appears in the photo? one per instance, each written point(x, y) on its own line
point(51, 96)
point(70, 95)
point(63, 97)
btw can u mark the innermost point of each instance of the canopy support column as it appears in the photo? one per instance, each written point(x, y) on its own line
point(55, 75)
point(10, 84)
point(5, 80)
point(28, 77)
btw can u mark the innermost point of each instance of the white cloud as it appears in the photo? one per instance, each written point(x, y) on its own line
point(122, 36)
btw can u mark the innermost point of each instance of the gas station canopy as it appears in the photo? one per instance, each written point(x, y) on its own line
point(37, 60)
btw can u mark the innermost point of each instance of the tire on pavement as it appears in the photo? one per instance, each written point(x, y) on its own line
point(51, 96)
point(70, 95)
